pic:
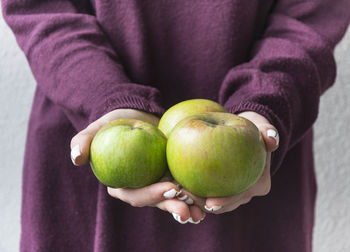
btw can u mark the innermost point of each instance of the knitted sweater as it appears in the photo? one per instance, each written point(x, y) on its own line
point(90, 57)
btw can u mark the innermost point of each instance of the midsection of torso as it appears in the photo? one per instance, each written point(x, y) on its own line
point(183, 48)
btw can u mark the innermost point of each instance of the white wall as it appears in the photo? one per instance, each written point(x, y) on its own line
point(332, 152)
point(16, 91)
point(332, 148)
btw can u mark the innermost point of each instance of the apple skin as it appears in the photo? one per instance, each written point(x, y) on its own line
point(216, 154)
point(128, 153)
point(184, 109)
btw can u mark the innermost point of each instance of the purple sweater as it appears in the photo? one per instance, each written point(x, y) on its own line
point(90, 57)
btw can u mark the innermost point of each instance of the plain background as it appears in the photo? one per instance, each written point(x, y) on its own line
point(332, 148)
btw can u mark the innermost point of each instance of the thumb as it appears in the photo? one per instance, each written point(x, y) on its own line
point(80, 143)
point(267, 130)
point(270, 136)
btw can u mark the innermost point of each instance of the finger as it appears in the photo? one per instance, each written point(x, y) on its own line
point(179, 209)
point(80, 143)
point(226, 204)
point(197, 215)
point(217, 205)
point(190, 198)
point(270, 136)
point(263, 186)
point(268, 131)
point(145, 196)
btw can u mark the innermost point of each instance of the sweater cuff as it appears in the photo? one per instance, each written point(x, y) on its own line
point(278, 155)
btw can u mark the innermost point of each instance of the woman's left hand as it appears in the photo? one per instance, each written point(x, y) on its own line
point(260, 188)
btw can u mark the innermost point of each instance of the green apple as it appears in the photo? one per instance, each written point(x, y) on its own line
point(216, 154)
point(184, 109)
point(128, 153)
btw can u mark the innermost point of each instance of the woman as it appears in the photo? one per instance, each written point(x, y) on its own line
point(95, 61)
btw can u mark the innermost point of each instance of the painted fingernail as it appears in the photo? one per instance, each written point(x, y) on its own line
point(178, 219)
point(213, 208)
point(171, 194)
point(75, 152)
point(187, 199)
point(272, 133)
point(190, 220)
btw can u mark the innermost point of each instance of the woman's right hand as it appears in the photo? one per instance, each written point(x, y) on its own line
point(163, 195)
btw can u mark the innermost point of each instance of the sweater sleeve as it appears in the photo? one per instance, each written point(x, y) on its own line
point(290, 66)
point(72, 60)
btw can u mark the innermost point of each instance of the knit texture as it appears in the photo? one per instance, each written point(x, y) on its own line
point(89, 58)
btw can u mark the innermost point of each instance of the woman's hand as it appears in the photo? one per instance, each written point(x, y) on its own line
point(260, 188)
point(162, 194)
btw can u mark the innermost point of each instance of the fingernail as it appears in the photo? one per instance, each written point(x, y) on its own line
point(193, 222)
point(178, 219)
point(213, 208)
point(75, 152)
point(272, 133)
point(188, 200)
point(171, 194)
